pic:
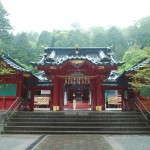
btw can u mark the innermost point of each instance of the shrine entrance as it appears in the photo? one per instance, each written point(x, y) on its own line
point(77, 97)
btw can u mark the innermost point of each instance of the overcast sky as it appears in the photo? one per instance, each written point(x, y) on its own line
point(39, 15)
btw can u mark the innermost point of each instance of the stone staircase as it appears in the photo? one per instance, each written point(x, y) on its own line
point(77, 122)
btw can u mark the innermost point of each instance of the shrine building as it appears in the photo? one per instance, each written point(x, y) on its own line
point(77, 75)
point(68, 79)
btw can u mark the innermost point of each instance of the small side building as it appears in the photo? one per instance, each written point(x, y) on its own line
point(13, 79)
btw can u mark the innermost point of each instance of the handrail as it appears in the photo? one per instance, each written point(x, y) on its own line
point(147, 111)
point(13, 108)
point(12, 105)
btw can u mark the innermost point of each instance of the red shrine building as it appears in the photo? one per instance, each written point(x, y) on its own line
point(69, 78)
point(77, 75)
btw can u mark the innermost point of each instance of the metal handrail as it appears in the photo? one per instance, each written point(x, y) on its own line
point(147, 111)
point(12, 105)
point(13, 108)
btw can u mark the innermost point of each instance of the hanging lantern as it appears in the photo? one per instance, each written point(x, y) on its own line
point(85, 80)
point(79, 81)
point(66, 81)
point(88, 81)
point(71, 80)
point(82, 80)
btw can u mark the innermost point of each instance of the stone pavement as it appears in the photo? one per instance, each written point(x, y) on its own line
point(16, 142)
point(129, 142)
point(1, 119)
point(74, 142)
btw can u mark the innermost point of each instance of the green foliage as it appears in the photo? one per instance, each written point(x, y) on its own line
point(141, 81)
point(98, 37)
point(139, 33)
point(23, 48)
point(116, 39)
point(131, 57)
point(141, 78)
point(44, 40)
point(144, 32)
point(5, 28)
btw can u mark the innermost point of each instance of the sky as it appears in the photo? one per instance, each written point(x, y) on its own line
point(39, 15)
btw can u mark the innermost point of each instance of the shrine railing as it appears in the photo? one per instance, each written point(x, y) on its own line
point(144, 111)
point(19, 104)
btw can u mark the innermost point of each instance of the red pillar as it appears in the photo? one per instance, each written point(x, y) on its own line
point(98, 94)
point(61, 98)
point(4, 103)
point(123, 101)
point(93, 94)
point(51, 98)
point(56, 93)
point(19, 86)
point(32, 100)
point(103, 100)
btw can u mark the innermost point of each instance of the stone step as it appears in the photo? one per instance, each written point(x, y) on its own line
point(40, 113)
point(77, 132)
point(77, 116)
point(75, 128)
point(78, 124)
point(77, 119)
point(78, 113)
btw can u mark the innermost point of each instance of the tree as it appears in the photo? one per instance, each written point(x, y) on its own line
point(71, 38)
point(22, 49)
point(98, 37)
point(131, 57)
point(141, 78)
point(45, 39)
point(139, 33)
point(60, 38)
point(144, 32)
point(5, 28)
point(115, 38)
point(78, 37)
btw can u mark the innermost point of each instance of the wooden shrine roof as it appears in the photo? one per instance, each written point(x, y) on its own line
point(95, 55)
point(10, 62)
point(116, 79)
point(138, 66)
point(7, 62)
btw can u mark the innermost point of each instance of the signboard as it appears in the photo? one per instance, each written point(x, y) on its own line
point(45, 92)
point(41, 100)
